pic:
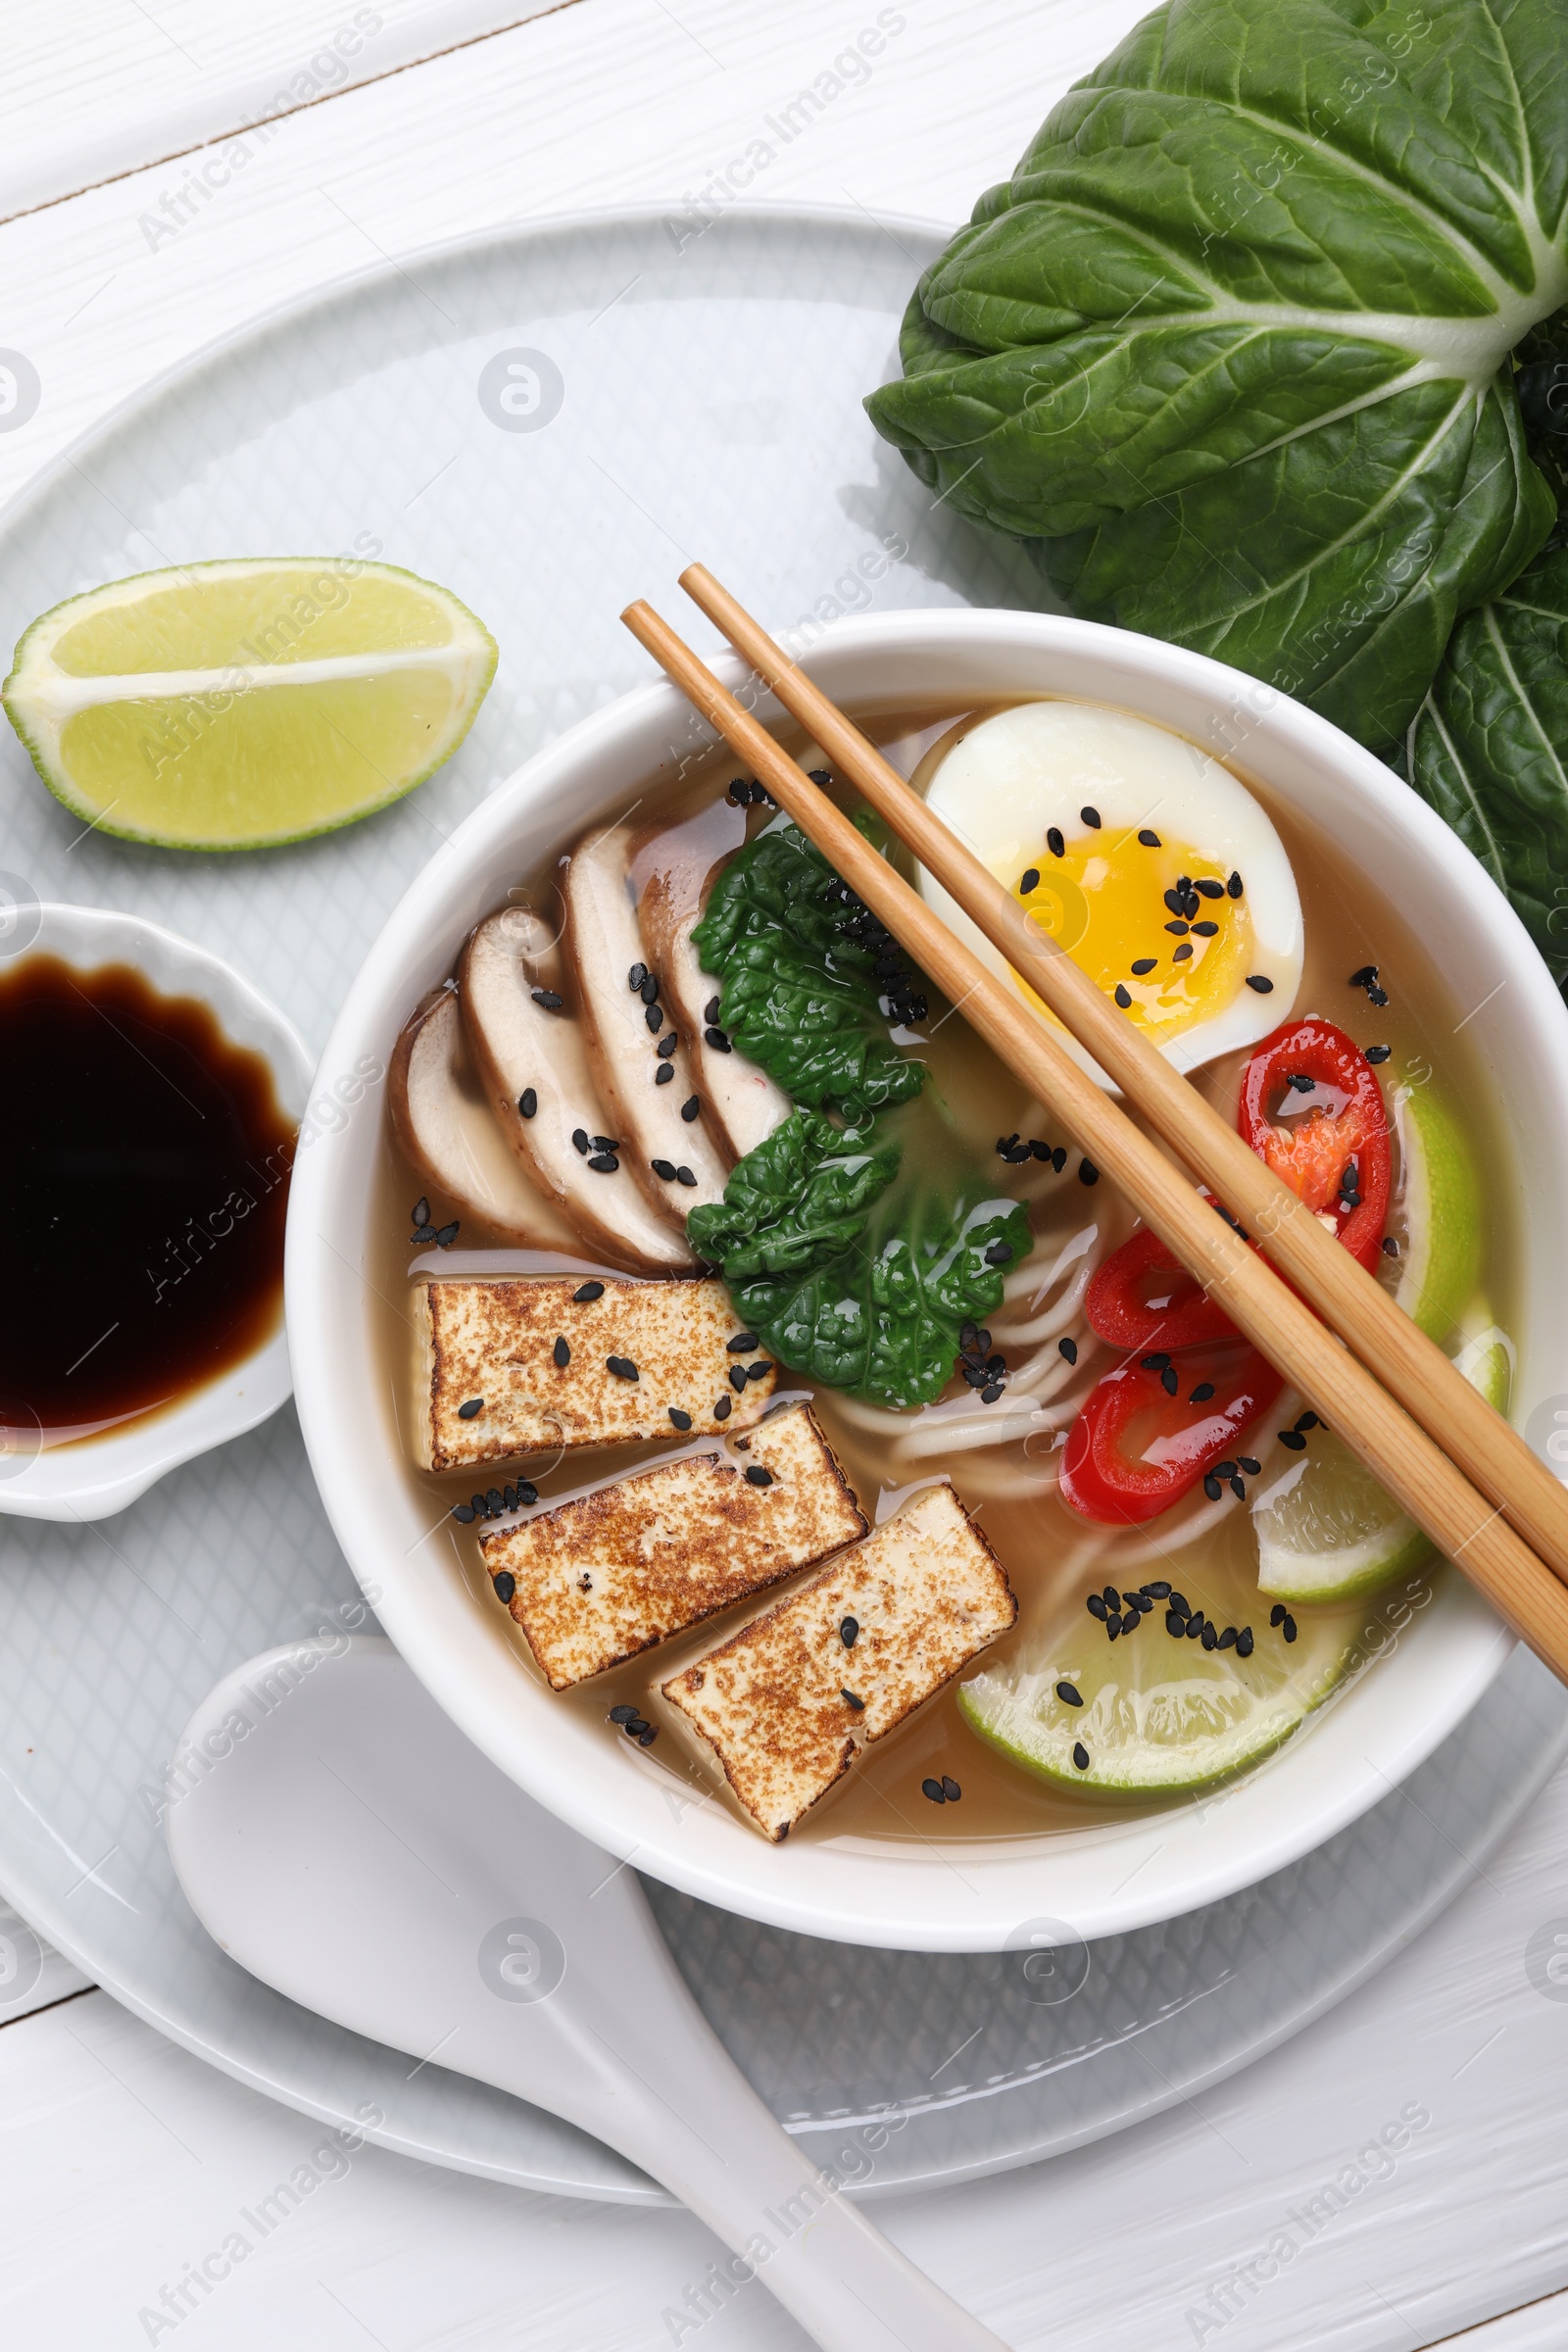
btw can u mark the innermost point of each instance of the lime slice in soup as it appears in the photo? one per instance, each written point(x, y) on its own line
point(1326, 1529)
point(232, 705)
point(1157, 1715)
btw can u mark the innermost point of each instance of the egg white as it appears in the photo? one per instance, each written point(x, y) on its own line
point(1002, 783)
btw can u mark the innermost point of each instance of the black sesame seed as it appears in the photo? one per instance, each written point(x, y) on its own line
point(636, 976)
point(847, 1631)
point(527, 1102)
point(1069, 1694)
point(474, 1404)
point(1227, 1640)
point(680, 1419)
point(950, 1788)
point(492, 1503)
point(1177, 930)
point(424, 1232)
point(1202, 1392)
point(1111, 1595)
point(717, 1039)
point(1054, 842)
point(683, 1175)
point(1080, 1756)
point(506, 1585)
point(1205, 930)
point(1173, 899)
point(1291, 1438)
point(589, 1291)
point(1224, 1469)
point(990, 1392)
point(666, 1045)
point(1379, 1053)
point(757, 1476)
point(648, 988)
point(1288, 1629)
point(1212, 1488)
point(1160, 1592)
point(527, 1492)
point(1233, 888)
point(1244, 1642)
point(740, 791)
point(1308, 1421)
point(1088, 1173)
point(665, 1070)
point(1168, 1380)
point(579, 1137)
point(1174, 1624)
point(422, 1213)
point(663, 1169)
point(1123, 998)
point(1069, 1349)
point(1210, 890)
point(636, 1724)
point(722, 1408)
point(761, 1369)
point(689, 1108)
point(1091, 817)
point(1179, 1603)
point(1138, 1601)
point(463, 1511)
point(1244, 1461)
point(1181, 953)
point(934, 1791)
point(548, 998)
point(1209, 1637)
point(648, 1735)
point(1030, 881)
point(1276, 1615)
point(655, 1017)
point(447, 1234)
point(1193, 1628)
point(1058, 1157)
point(1364, 978)
point(604, 1163)
point(1096, 1606)
point(622, 1367)
point(710, 1011)
point(999, 1254)
point(562, 1353)
point(1145, 963)
point(1390, 1248)
point(1238, 1490)
point(737, 1377)
point(849, 1700)
point(1151, 841)
point(1113, 1626)
point(1039, 1150)
point(1263, 985)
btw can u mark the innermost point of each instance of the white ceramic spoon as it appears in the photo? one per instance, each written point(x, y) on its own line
point(339, 1838)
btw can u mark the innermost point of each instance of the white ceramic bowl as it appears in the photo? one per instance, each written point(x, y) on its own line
point(97, 1476)
point(984, 1895)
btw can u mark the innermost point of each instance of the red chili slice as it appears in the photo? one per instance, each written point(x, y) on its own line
point(1135, 1448)
point(1329, 1138)
point(1143, 1298)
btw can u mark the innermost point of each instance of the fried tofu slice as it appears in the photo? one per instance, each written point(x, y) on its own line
point(613, 1572)
point(786, 1703)
point(528, 1366)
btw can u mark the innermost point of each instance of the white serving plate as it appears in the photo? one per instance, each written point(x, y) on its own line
point(98, 1476)
point(955, 1895)
point(338, 418)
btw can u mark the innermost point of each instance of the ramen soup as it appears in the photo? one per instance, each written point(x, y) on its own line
point(805, 1407)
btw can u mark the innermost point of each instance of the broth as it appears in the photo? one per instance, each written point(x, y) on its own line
point(1052, 1555)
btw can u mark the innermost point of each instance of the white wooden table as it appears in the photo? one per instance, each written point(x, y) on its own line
point(124, 2162)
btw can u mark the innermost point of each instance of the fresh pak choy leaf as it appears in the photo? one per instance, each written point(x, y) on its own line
point(806, 969)
point(849, 1270)
point(1488, 748)
point(1231, 349)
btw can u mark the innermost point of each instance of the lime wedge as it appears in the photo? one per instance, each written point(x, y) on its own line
point(1437, 1216)
point(1326, 1529)
point(234, 705)
point(1158, 1715)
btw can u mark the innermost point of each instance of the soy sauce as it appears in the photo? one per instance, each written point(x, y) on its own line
point(144, 1165)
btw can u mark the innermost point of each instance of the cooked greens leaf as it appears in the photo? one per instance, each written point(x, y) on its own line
point(807, 972)
point(1231, 346)
point(1488, 748)
point(848, 1270)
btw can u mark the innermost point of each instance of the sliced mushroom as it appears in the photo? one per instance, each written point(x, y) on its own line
point(530, 1051)
point(739, 1099)
point(444, 1124)
point(674, 1158)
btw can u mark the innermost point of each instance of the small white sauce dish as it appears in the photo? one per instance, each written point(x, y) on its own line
point(92, 1478)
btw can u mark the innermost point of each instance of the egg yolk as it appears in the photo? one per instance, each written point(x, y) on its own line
point(1156, 923)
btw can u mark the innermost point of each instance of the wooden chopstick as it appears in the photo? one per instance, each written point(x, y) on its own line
point(1435, 1493)
point(1411, 1366)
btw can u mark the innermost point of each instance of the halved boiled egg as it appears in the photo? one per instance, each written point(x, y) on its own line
point(1146, 860)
